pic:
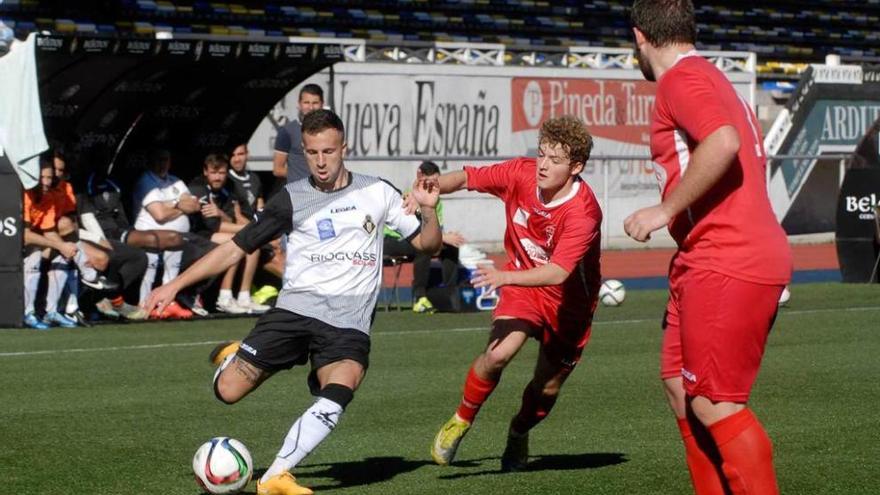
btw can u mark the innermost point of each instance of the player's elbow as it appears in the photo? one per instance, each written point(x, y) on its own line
point(728, 142)
point(279, 165)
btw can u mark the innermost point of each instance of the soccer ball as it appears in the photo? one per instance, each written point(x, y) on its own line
point(612, 293)
point(223, 465)
point(784, 297)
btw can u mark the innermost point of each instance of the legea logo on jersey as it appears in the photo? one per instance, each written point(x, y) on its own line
point(325, 229)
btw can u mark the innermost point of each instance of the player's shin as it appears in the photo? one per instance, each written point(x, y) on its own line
point(747, 454)
point(311, 428)
point(536, 405)
point(476, 391)
point(703, 459)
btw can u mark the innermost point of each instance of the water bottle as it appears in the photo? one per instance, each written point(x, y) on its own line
point(486, 300)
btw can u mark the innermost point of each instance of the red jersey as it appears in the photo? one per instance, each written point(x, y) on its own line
point(731, 229)
point(564, 232)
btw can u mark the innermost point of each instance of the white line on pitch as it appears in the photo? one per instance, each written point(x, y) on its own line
point(400, 332)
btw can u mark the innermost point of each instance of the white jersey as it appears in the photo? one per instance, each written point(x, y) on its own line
point(333, 266)
point(151, 188)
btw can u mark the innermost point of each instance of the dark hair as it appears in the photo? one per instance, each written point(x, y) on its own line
point(321, 120)
point(47, 160)
point(159, 155)
point(312, 89)
point(429, 168)
point(664, 22)
point(216, 160)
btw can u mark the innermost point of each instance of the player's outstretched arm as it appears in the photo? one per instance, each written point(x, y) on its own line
point(214, 263)
point(453, 181)
point(491, 278)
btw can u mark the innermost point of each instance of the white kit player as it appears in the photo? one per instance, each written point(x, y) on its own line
point(334, 221)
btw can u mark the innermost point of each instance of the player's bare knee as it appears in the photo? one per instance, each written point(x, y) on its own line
point(227, 389)
point(495, 359)
point(65, 226)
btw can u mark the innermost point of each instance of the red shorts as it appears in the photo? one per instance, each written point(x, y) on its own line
point(715, 331)
point(563, 330)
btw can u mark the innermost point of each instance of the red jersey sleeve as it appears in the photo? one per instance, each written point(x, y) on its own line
point(498, 179)
point(692, 100)
point(578, 234)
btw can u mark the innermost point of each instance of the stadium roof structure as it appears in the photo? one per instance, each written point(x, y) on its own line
point(114, 98)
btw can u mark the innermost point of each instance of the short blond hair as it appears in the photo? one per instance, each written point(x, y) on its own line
point(571, 134)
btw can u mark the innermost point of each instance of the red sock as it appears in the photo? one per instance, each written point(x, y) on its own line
point(704, 468)
point(747, 454)
point(535, 407)
point(476, 391)
point(117, 301)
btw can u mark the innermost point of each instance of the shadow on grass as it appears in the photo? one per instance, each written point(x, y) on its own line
point(355, 473)
point(552, 462)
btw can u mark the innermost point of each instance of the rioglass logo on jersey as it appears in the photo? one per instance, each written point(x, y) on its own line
point(369, 226)
point(325, 229)
point(356, 258)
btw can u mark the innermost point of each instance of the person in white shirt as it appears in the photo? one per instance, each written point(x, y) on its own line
point(162, 202)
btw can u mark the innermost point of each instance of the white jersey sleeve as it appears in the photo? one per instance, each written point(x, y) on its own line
point(406, 225)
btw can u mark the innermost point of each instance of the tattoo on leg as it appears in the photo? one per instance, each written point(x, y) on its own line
point(248, 371)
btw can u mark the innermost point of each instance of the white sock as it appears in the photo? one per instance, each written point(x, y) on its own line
point(71, 294)
point(58, 273)
point(149, 277)
point(31, 280)
point(171, 262)
point(224, 295)
point(80, 259)
point(244, 297)
point(309, 430)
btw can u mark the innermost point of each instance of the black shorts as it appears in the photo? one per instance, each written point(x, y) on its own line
point(282, 339)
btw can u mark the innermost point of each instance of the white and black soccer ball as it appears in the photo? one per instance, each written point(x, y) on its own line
point(612, 293)
point(223, 465)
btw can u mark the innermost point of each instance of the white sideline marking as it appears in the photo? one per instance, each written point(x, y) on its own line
point(402, 332)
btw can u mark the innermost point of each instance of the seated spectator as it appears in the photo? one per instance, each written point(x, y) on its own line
point(162, 204)
point(219, 218)
point(249, 191)
point(45, 235)
point(104, 222)
point(394, 245)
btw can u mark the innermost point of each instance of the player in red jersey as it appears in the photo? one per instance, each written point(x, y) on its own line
point(550, 282)
point(733, 258)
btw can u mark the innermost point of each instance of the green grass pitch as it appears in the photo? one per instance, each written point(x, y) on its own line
point(121, 409)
